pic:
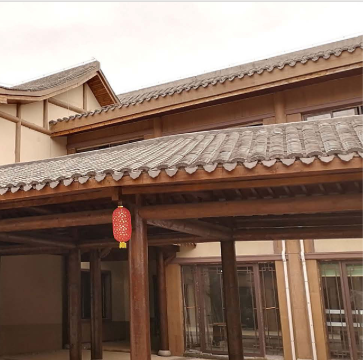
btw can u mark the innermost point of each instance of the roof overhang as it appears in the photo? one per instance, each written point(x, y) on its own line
point(318, 66)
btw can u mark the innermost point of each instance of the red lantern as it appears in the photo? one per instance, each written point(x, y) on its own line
point(121, 224)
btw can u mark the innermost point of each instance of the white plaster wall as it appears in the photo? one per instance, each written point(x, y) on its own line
point(338, 245)
point(92, 102)
point(214, 249)
point(38, 146)
point(33, 112)
point(8, 108)
point(73, 96)
point(56, 112)
point(7, 142)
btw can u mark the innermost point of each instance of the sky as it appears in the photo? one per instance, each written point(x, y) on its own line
point(145, 44)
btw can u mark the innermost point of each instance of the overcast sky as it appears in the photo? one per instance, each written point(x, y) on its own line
point(144, 44)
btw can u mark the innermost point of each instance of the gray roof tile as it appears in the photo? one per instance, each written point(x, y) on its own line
point(57, 79)
point(244, 146)
point(231, 74)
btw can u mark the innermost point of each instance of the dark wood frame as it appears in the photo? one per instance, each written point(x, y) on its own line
point(198, 288)
point(346, 304)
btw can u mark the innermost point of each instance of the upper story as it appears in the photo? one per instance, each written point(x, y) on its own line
point(26, 109)
point(323, 81)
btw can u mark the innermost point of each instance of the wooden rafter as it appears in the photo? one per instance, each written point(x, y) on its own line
point(194, 227)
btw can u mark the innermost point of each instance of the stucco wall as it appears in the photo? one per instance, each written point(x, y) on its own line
point(56, 112)
point(30, 303)
point(214, 249)
point(33, 112)
point(38, 146)
point(73, 96)
point(7, 142)
point(338, 245)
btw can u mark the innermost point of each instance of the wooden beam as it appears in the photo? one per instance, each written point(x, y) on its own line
point(46, 114)
point(25, 123)
point(244, 184)
point(163, 312)
point(74, 305)
point(96, 305)
point(139, 291)
point(67, 106)
point(85, 98)
point(263, 234)
point(231, 301)
point(43, 201)
point(57, 221)
point(300, 205)
point(194, 227)
point(18, 239)
point(31, 250)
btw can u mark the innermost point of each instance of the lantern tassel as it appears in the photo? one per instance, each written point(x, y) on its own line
point(122, 245)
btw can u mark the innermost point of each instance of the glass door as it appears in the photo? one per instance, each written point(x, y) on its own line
point(343, 296)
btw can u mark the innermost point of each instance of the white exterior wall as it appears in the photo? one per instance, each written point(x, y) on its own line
point(35, 145)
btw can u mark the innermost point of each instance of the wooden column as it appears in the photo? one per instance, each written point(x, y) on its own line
point(45, 114)
point(280, 109)
point(18, 134)
point(231, 300)
point(96, 306)
point(85, 99)
point(298, 301)
point(139, 290)
point(74, 305)
point(163, 314)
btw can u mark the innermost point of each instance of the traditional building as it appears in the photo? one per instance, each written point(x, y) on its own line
point(245, 188)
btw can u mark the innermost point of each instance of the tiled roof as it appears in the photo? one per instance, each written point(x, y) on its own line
point(229, 74)
point(57, 79)
point(244, 146)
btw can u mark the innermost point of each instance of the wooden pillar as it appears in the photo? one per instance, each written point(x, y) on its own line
point(163, 315)
point(231, 301)
point(74, 305)
point(85, 98)
point(45, 114)
point(139, 290)
point(298, 301)
point(96, 305)
point(175, 309)
point(157, 125)
point(18, 134)
point(279, 105)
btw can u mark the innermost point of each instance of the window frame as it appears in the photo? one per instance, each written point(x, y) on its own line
point(331, 111)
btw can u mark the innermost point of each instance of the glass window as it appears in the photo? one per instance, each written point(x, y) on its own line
point(334, 113)
point(204, 318)
point(343, 299)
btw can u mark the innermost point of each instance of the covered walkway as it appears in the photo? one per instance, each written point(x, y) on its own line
point(282, 181)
